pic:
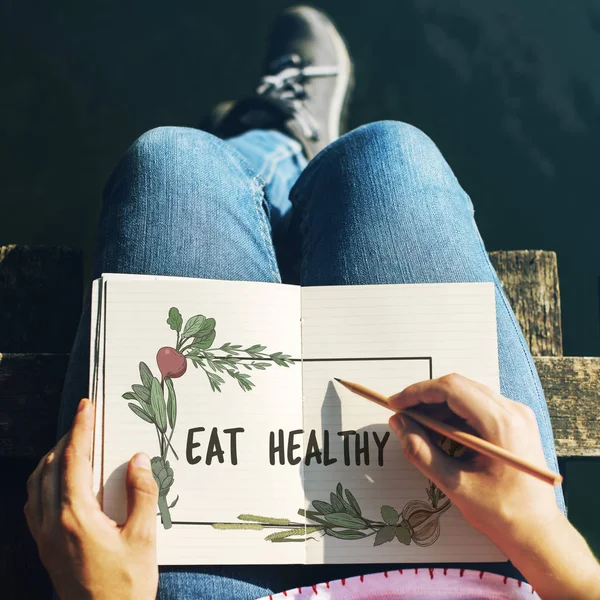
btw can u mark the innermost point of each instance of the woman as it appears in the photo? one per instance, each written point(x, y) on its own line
point(275, 193)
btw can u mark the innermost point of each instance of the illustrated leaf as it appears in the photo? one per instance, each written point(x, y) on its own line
point(246, 384)
point(204, 342)
point(280, 362)
point(172, 505)
point(403, 535)
point(215, 381)
point(157, 401)
point(313, 516)
point(340, 490)
point(222, 363)
point(193, 326)
point(345, 520)
point(322, 507)
point(230, 348)
point(141, 392)
point(389, 514)
point(353, 502)
point(281, 535)
point(256, 349)
point(242, 378)
point(338, 505)
point(175, 319)
point(145, 375)
point(237, 526)
point(260, 366)
point(198, 326)
point(345, 534)
point(384, 535)
point(208, 327)
point(350, 509)
point(129, 396)
point(171, 402)
point(266, 520)
point(139, 412)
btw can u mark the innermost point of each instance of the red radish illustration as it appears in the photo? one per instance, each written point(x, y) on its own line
point(171, 363)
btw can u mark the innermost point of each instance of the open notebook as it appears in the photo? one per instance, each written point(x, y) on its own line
point(260, 456)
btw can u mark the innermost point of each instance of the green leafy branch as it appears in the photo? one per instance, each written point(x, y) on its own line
point(194, 342)
point(151, 406)
point(213, 366)
point(342, 518)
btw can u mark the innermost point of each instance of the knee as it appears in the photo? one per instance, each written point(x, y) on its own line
point(169, 145)
point(380, 167)
point(166, 157)
point(401, 150)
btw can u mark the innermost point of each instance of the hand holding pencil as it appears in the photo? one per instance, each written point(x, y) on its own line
point(491, 493)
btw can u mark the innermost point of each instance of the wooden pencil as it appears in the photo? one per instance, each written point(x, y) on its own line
point(462, 437)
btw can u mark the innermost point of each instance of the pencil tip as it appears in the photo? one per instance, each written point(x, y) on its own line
point(338, 380)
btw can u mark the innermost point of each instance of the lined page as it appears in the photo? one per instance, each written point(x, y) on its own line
point(259, 315)
point(386, 337)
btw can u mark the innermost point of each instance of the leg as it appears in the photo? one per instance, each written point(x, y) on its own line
point(381, 205)
point(182, 202)
point(278, 161)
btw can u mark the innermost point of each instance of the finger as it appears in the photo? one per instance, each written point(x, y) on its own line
point(466, 400)
point(50, 483)
point(424, 454)
point(76, 465)
point(493, 395)
point(33, 506)
point(142, 496)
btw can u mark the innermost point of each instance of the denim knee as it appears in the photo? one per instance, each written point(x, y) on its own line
point(397, 147)
point(169, 140)
point(172, 158)
point(384, 161)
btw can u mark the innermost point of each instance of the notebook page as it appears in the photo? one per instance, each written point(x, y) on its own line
point(203, 491)
point(386, 337)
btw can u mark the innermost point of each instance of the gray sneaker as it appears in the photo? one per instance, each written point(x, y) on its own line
point(306, 87)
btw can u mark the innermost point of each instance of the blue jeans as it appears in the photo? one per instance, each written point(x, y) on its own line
point(379, 205)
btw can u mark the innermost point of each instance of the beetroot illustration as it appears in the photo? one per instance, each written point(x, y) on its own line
point(171, 363)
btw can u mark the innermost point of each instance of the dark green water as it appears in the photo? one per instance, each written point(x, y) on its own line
point(509, 90)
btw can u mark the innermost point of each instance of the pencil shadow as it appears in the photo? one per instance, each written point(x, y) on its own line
point(360, 452)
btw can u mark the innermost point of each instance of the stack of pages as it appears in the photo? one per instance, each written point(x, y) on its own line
point(259, 455)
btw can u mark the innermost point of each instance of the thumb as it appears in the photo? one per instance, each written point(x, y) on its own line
point(418, 448)
point(142, 496)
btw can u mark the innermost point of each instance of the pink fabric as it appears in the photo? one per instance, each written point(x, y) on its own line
point(416, 584)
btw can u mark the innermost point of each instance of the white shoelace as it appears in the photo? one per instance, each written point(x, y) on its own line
point(287, 86)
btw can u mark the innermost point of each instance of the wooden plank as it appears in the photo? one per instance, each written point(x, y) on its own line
point(30, 390)
point(572, 388)
point(530, 281)
point(40, 298)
